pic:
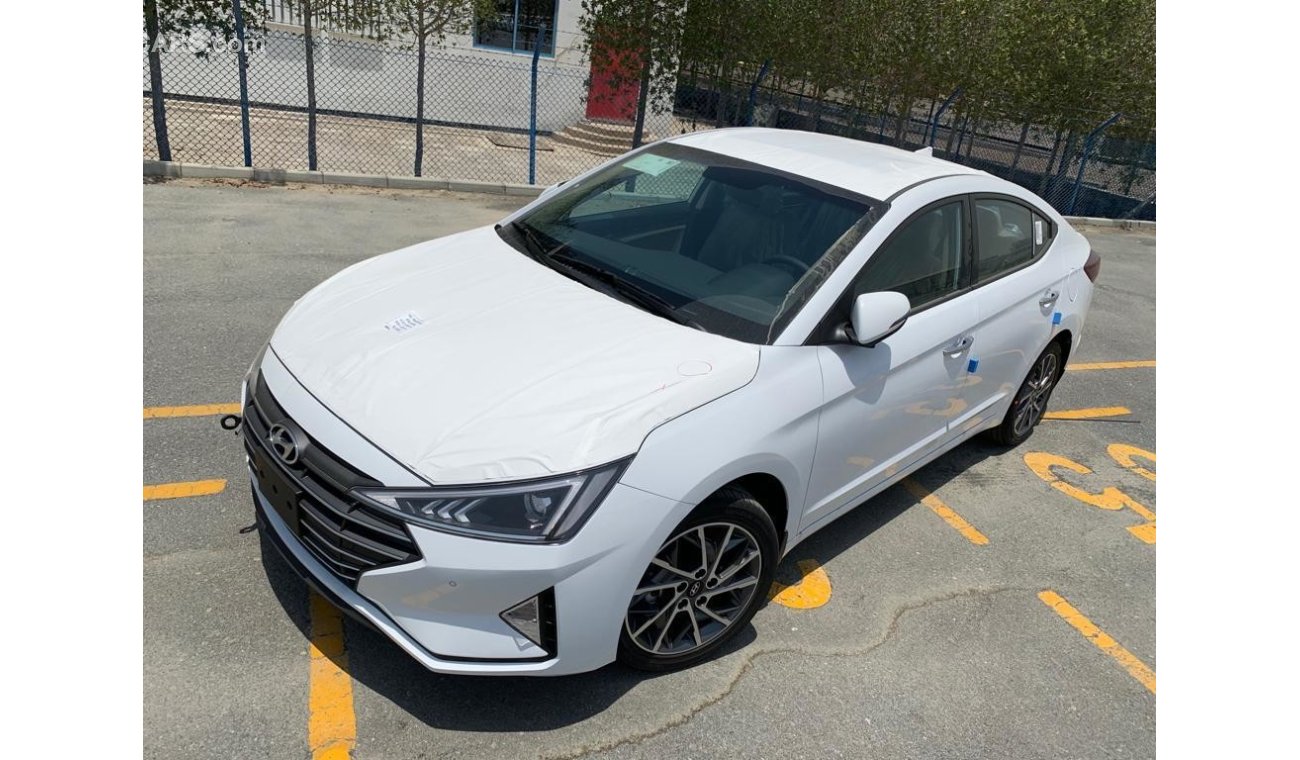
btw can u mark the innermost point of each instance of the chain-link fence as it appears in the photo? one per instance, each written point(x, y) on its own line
point(479, 121)
point(477, 111)
point(1104, 167)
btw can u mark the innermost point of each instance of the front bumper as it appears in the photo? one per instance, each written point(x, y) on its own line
point(444, 610)
point(442, 604)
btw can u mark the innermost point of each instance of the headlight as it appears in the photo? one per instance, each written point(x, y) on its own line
point(246, 387)
point(257, 363)
point(546, 510)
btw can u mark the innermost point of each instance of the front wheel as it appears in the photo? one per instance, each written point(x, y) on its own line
point(703, 585)
point(1030, 403)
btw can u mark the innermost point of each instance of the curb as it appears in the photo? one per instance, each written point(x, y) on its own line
point(179, 170)
point(1123, 224)
point(176, 169)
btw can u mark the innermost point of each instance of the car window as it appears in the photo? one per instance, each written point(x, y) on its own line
point(1043, 234)
point(1005, 234)
point(675, 184)
point(923, 260)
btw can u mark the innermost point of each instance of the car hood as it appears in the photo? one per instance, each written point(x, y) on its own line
point(469, 362)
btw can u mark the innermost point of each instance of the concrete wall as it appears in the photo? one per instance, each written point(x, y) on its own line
point(463, 84)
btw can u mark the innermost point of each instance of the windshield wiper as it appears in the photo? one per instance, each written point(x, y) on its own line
point(647, 299)
point(536, 250)
point(557, 258)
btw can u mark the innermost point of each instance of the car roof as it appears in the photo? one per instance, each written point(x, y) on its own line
point(877, 171)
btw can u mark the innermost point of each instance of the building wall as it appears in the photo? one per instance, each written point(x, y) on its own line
point(568, 40)
point(465, 84)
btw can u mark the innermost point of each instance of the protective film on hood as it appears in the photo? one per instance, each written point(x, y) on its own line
point(469, 362)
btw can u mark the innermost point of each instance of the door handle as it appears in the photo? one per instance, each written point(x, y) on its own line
point(1049, 298)
point(958, 346)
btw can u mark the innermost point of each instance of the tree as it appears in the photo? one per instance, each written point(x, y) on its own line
point(343, 16)
point(421, 23)
point(167, 20)
point(1063, 65)
point(636, 41)
point(309, 10)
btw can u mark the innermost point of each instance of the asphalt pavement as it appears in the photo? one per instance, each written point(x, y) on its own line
point(903, 633)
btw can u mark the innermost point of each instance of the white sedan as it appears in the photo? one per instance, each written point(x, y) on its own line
point(592, 431)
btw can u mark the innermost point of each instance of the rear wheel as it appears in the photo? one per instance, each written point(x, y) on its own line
point(703, 585)
point(1030, 403)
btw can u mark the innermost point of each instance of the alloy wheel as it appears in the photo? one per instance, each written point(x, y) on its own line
point(699, 583)
point(1031, 403)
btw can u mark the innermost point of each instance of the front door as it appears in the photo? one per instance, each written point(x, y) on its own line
point(888, 405)
point(615, 86)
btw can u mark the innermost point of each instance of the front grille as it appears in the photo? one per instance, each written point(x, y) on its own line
point(348, 536)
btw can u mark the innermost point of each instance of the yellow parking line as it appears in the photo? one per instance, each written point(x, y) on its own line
point(1136, 668)
point(182, 490)
point(1110, 365)
point(1087, 414)
point(331, 723)
point(943, 510)
point(199, 410)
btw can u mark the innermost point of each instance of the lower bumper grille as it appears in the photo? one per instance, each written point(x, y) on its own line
point(312, 495)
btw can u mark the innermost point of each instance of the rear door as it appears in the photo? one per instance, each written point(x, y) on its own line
point(1018, 288)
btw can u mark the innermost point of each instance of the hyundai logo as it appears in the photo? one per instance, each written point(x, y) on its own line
point(283, 443)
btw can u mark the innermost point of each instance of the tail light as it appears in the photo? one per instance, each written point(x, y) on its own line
point(1093, 266)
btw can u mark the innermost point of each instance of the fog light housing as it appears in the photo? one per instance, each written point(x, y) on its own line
point(534, 619)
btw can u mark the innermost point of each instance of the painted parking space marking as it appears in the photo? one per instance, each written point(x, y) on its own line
point(1088, 414)
point(1110, 498)
point(937, 506)
point(1124, 454)
point(183, 490)
point(1086, 366)
point(1100, 639)
point(198, 410)
point(331, 722)
point(812, 591)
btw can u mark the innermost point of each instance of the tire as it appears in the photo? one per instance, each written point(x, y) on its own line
point(1030, 402)
point(676, 616)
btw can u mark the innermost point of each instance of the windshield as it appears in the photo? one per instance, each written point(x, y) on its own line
point(723, 245)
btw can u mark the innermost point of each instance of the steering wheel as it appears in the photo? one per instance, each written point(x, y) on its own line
point(793, 266)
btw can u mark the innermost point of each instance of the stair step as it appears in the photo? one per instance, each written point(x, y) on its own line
point(600, 138)
point(605, 142)
point(568, 140)
point(606, 128)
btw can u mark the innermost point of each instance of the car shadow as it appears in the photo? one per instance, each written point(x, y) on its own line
point(463, 703)
point(515, 703)
point(851, 528)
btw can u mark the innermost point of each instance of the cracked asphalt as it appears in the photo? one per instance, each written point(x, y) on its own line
point(930, 646)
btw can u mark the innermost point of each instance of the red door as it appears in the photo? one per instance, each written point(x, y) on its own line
point(614, 88)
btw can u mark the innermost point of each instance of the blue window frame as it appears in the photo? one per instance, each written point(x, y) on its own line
point(517, 26)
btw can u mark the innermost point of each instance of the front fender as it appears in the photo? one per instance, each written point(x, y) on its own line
point(769, 426)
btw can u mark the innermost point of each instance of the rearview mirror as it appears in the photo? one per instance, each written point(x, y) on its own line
point(876, 316)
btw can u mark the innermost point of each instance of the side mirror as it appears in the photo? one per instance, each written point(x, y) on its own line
point(877, 316)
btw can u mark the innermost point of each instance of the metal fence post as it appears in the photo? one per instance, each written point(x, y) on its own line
point(243, 83)
point(1083, 160)
point(532, 109)
point(753, 92)
point(933, 132)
